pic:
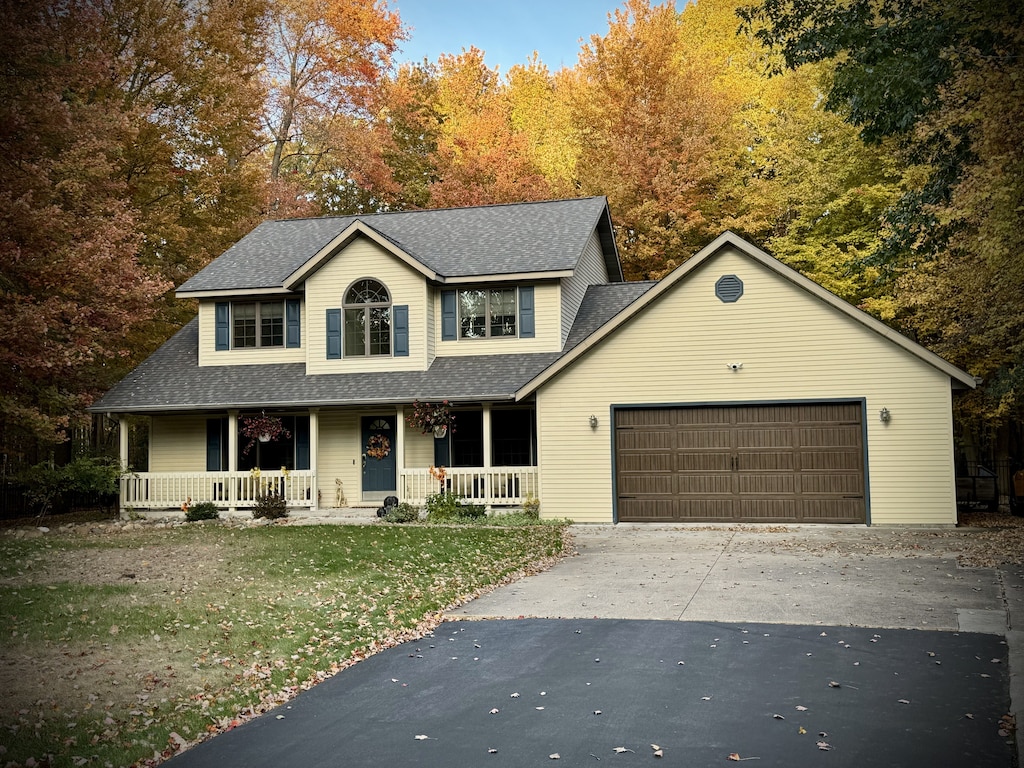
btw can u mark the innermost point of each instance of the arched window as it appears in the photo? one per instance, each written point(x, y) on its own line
point(367, 319)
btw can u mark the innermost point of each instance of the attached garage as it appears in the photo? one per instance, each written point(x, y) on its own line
point(737, 390)
point(785, 463)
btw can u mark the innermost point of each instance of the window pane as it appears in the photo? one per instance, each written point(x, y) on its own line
point(473, 314)
point(503, 312)
point(355, 332)
point(367, 292)
point(244, 325)
point(272, 324)
point(380, 330)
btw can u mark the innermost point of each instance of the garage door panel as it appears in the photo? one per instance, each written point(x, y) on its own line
point(825, 484)
point(703, 462)
point(767, 485)
point(763, 438)
point(647, 462)
point(768, 510)
point(710, 438)
point(705, 485)
point(779, 463)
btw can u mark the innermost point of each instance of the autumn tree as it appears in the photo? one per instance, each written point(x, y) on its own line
point(647, 121)
point(325, 61)
point(127, 132)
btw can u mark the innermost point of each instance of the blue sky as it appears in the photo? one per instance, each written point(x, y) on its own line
point(508, 31)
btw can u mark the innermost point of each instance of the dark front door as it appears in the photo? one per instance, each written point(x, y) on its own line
point(378, 470)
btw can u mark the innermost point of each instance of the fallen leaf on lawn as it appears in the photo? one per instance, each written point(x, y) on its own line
point(802, 730)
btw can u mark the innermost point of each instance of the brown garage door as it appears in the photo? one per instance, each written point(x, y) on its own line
point(749, 463)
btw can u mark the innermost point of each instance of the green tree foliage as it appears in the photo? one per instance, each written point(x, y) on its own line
point(941, 81)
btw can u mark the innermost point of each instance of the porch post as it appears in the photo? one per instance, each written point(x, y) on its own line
point(122, 452)
point(488, 490)
point(314, 440)
point(232, 461)
point(399, 450)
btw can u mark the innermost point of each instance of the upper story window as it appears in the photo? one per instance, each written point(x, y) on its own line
point(488, 312)
point(254, 324)
point(258, 324)
point(367, 308)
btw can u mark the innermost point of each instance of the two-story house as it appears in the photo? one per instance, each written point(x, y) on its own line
point(733, 389)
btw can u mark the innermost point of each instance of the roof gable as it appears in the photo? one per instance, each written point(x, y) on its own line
point(447, 245)
point(751, 251)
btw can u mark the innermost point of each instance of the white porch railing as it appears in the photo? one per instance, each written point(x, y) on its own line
point(489, 486)
point(169, 490)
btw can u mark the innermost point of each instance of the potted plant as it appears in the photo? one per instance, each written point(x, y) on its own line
point(431, 417)
point(262, 428)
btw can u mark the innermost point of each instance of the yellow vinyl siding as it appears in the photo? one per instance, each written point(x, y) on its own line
point(209, 355)
point(548, 338)
point(177, 444)
point(793, 347)
point(590, 270)
point(339, 456)
point(326, 289)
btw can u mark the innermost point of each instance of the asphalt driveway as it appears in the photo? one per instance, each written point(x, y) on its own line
point(691, 647)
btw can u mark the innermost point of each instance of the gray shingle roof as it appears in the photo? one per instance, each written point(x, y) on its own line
point(171, 379)
point(453, 242)
point(600, 304)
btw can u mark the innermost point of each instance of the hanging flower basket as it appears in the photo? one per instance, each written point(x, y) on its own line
point(378, 447)
point(262, 428)
point(431, 417)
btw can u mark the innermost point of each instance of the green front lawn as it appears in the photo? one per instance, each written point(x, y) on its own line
point(118, 646)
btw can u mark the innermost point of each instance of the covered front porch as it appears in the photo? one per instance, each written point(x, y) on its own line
point(331, 459)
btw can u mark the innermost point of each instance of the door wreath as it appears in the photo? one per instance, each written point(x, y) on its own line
point(378, 447)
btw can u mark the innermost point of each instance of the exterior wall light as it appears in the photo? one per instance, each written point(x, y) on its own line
point(884, 415)
point(593, 421)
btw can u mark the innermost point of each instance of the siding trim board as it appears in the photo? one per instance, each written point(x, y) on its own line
point(723, 479)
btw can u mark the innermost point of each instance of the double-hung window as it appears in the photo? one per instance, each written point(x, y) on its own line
point(487, 313)
point(258, 324)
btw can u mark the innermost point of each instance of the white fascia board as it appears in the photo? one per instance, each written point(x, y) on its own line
point(234, 293)
point(353, 230)
point(515, 277)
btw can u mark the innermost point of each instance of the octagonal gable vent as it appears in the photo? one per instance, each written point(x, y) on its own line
point(729, 288)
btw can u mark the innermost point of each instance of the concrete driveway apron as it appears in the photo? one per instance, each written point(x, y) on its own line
point(692, 647)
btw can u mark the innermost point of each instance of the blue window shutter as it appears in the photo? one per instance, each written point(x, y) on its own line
point(302, 442)
point(333, 334)
point(442, 451)
point(293, 331)
point(449, 316)
point(527, 323)
point(222, 322)
point(400, 317)
point(213, 448)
